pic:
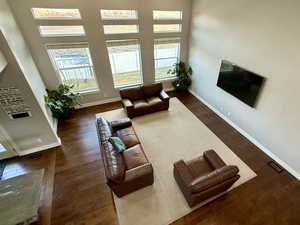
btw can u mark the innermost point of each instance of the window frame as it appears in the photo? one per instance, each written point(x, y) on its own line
point(140, 63)
point(136, 25)
point(122, 19)
point(178, 58)
point(58, 70)
point(167, 32)
point(163, 19)
point(55, 18)
point(61, 35)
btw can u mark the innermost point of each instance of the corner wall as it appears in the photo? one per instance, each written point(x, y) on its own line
point(28, 134)
point(263, 37)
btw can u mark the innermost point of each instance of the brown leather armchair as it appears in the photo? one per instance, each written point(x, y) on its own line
point(204, 177)
point(127, 171)
point(143, 100)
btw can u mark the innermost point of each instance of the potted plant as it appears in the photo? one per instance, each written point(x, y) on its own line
point(62, 101)
point(183, 74)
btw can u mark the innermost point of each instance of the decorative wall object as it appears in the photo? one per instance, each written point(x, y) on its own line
point(12, 102)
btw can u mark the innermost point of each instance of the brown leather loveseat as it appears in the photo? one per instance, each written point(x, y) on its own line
point(204, 177)
point(127, 171)
point(143, 100)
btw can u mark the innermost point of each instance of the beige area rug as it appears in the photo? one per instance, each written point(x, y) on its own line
point(166, 137)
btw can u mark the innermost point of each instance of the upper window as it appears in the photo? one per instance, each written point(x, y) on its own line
point(120, 29)
point(118, 14)
point(125, 61)
point(56, 14)
point(73, 64)
point(167, 15)
point(166, 54)
point(166, 28)
point(61, 31)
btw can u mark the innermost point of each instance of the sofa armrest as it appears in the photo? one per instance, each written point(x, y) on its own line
point(138, 172)
point(182, 171)
point(164, 96)
point(127, 103)
point(214, 160)
point(214, 178)
point(120, 124)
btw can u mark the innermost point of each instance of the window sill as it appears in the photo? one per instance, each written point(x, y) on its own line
point(128, 86)
point(87, 92)
point(166, 79)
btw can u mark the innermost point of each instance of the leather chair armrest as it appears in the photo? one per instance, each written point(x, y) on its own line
point(127, 103)
point(183, 172)
point(214, 160)
point(140, 171)
point(120, 124)
point(214, 178)
point(164, 96)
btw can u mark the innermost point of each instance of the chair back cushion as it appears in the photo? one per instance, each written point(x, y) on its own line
point(152, 90)
point(132, 93)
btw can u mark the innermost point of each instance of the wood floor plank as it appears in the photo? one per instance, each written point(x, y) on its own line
point(81, 197)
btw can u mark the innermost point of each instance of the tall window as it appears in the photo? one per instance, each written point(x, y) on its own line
point(166, 54)
point(73, 64)
point(125, 61)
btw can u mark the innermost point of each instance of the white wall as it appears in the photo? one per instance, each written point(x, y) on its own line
point(90, 12)
point(36, 132)
point(261, 36)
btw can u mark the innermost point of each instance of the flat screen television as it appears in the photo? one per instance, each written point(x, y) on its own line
point(239, 82)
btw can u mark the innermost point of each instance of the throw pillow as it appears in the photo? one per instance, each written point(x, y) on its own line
point(117, 143)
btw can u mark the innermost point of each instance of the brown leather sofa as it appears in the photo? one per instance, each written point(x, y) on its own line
point(143, 100)
point(204, 177)
point(127, 171)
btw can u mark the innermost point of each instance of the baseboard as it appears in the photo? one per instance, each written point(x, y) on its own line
point(88, 104)
point(249, 137)
point(38, 149)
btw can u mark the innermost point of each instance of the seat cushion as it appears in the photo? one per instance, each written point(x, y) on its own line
point(132, 93)
point(139, 104)
point(134, 157)
point(199, 167)
point(152, 90)
point(128, 137)
point(154, 101)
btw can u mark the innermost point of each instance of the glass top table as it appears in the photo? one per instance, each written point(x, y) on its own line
point(20, 198)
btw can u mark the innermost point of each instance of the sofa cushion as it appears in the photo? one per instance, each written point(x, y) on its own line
point(132, 93)
point(128, 137)
point(138, 104)
point(154, 101)
point(113, 163)
point(152, 90)
point(134, 157)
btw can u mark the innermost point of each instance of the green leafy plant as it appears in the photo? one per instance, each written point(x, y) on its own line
point(62, 101)
point(183, 74)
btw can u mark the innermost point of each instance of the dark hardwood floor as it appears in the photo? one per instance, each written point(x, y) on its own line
point(81, 197)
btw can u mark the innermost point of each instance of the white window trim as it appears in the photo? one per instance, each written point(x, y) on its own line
point(167, 32)
point(61, 35)
point(57, 71)
point(138, 29)
point(121, 19)
point(56, 18)
point(140, 64)
point(178, 58)
point(178, 19)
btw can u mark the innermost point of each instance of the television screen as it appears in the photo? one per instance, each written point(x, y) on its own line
point(239, 82)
